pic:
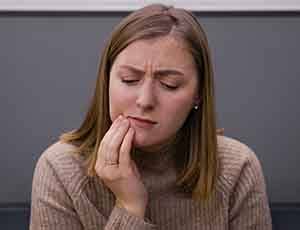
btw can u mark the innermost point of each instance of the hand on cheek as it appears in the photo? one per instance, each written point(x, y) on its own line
point(118, 171)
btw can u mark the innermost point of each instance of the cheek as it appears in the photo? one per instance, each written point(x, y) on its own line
point(172, 123)
point(180, 106)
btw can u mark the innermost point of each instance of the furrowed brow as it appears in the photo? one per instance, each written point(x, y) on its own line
point(161, 73)
point(168, 72)
point(133, 69)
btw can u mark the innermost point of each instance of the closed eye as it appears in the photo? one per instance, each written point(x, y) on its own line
point(169, 87)
point(128, 81)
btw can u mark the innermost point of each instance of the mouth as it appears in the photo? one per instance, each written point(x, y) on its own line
point(142, 122)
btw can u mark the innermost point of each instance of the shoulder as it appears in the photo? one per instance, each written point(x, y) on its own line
point(238, 163)
point(59, 162)
point(233, 150)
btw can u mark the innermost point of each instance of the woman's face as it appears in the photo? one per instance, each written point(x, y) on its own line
point(155, 80)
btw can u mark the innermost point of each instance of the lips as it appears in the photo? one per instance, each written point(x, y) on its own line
point(141, 122)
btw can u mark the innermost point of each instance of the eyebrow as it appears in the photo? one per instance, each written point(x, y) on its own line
point(161, 72)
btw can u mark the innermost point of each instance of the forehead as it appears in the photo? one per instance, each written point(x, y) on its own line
point(161, 52)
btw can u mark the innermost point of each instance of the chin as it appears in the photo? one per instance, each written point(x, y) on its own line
point(146, 144)
point(139, 142)
point(142, 143)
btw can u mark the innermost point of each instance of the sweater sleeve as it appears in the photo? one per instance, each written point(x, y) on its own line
point(249, 206)
point(53, 208)
point(121, 219)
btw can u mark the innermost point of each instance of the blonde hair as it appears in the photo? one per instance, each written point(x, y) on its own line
point(200, 165)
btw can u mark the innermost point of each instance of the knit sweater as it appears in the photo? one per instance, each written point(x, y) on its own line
point(65, 198)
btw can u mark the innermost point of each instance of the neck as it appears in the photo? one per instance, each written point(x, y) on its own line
point(157, 159)
point(159, 148)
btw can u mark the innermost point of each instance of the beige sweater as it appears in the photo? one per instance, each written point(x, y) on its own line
point(64, 198)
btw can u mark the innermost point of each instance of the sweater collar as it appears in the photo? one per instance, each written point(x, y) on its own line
point(159, 161)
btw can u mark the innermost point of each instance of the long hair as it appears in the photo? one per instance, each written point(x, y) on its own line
point(199, 145)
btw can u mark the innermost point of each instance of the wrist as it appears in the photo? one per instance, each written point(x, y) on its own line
point(137, 210)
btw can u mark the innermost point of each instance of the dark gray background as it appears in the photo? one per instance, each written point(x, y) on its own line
point(48, 67)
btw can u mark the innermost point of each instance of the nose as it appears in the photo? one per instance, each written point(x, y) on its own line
point(146, 96)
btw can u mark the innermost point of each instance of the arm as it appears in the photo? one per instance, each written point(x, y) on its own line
point(249, 207)
point(52, 208)
point(121, 219)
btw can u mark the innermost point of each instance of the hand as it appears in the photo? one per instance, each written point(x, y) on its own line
point(118, 171)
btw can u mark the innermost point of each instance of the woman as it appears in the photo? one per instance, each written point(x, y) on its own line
point(147, 155)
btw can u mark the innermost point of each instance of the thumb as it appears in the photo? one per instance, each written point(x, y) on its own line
point(135, 169)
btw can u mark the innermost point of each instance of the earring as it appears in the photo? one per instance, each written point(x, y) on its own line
point(196, 107)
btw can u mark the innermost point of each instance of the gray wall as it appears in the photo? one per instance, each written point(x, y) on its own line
point(48, 66)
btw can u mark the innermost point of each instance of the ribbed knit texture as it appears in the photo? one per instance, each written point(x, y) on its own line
point(64, 198)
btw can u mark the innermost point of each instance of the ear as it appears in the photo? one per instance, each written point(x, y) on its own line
point(197, 100)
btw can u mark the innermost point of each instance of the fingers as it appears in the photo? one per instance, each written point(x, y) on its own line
point(125, 149)
point(103, 148)
point(110, 132)
point(111, 142)
point(116, 140)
